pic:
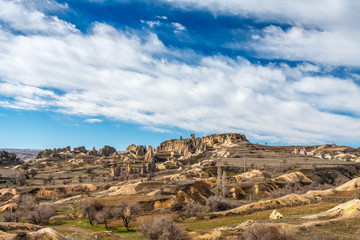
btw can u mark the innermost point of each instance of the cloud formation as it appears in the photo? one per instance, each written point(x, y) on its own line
point(134, 77)
point(323, 32)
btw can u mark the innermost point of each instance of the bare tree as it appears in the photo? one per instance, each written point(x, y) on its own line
point(90, 209)
point(163, 228)
point(224, 184)
point(104, 215)
point(266, 175)
point(126, 212)
point(42, 213)
point(218, 182)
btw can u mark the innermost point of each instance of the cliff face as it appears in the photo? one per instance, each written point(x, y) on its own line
point(194, 145)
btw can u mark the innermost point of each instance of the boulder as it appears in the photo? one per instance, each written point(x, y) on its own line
point(275, 215)
point(45, 234)
point(107, 151)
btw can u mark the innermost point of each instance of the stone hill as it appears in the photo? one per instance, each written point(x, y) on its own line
point(9, 159)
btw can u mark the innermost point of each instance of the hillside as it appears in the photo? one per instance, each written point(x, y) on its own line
point(219, 186)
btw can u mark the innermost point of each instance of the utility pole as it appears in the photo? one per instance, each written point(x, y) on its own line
point(244, 166)
point(244, 163)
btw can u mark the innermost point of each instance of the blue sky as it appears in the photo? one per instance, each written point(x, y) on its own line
point(96, 72)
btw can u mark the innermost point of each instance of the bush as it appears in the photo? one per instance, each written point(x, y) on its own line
point(217, 203)
point(193, 209)
point(42, 213)
point(163, 228)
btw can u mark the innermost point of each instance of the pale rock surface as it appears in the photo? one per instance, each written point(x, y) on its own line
point(275, 215)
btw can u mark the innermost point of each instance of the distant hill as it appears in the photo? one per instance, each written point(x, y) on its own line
point(23, 154)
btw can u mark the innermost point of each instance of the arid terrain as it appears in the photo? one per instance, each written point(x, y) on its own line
point(219, 186)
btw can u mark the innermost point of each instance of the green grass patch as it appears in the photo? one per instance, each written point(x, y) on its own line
point(205, 225)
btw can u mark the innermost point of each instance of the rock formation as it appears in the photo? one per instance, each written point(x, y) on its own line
point(150, 159)
point(107, 151)
point(138, 150)
point(331, 152)
point(80, 149)
point(275, 215)
point(193, 145)
point(51, 153)
point(8, 159)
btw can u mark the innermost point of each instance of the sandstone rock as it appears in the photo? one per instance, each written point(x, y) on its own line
point(349, 209)
point(107, 151)
point(150, 159)
point(139, 150)
point(93, 152)
point(9, 207)
point(293, 177)
point(80, 149)
point(275, 215)
point(245, 176)
point(9, 159)
point(45, 234)
point(56, 152)
point(186, 147)
point(236, 193)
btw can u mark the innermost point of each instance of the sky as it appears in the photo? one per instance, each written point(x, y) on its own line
point(121, 72)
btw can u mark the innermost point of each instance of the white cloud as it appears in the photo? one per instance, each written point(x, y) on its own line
point(323, 31)
point(152, 23)
point(93, 120)
point(162, 17)
point(23, 19)
point(178, 26)
point(322, 47)
point(120, 75)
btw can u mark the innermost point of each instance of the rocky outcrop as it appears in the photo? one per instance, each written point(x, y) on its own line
point(349, 209)
point(138, 150)
point(107, 151)
point(189, 146)
point(293, 178)
point(9, 159)
point(48, 191)
point(80, 149)
point(331, 152)
point(150, 159)
point(275, 215)
point(246, 176)
point(45, 234)
point(51, 153)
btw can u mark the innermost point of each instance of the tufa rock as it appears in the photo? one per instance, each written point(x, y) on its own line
point(187, 147)
point(80, 149)
point(9, 159)
point(107, 151)
point(150, 159)
point(139, 150)
point(275, 215)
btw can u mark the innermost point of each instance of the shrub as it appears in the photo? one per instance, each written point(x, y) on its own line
point(217, 203)
point(42, 213)
point(193, 209)
point(163, 228)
